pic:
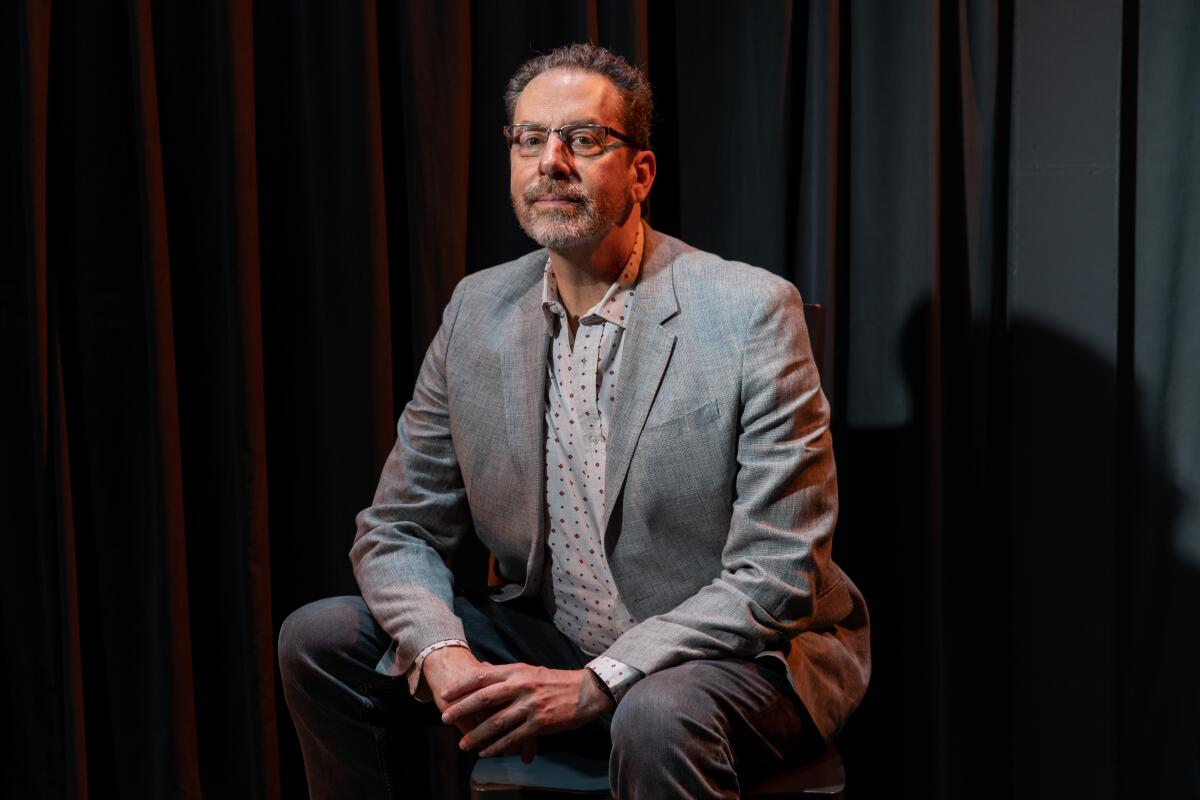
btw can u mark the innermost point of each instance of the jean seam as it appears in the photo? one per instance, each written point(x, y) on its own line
point(382, 755)
point(366, 694)
point(370, 705)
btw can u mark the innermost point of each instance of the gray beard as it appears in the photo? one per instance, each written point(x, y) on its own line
point(563, 229)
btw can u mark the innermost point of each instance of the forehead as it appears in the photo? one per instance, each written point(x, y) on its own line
point(559, 96)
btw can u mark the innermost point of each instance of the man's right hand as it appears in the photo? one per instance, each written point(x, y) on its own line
point(454, 666)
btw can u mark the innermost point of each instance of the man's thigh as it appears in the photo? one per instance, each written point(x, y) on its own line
point(744, 711)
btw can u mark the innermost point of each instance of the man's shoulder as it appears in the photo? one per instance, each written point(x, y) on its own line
point(508, 281)
point(700, 276)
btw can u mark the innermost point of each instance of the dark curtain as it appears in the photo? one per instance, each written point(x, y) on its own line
point(229, 228)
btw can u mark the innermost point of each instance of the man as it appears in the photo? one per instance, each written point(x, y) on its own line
point(636, 431)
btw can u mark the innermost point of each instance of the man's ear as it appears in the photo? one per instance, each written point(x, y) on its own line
point(644, 168)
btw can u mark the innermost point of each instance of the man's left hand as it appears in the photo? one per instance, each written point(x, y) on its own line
point(518, 702)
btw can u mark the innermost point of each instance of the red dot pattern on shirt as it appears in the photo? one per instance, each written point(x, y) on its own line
point(582, 380)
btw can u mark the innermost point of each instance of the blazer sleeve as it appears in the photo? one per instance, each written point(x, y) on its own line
point(777, 579)
point(418, 517)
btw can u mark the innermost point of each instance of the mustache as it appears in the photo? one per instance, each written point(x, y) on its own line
point(556, 190)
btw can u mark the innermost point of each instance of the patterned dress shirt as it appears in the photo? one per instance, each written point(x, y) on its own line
point(581, 386)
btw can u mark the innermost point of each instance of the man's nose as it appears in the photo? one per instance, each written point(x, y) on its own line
point(556, 158)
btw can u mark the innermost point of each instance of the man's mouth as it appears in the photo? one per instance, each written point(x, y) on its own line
point(549, 196)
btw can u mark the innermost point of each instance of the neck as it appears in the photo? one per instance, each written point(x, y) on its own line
point(585, 273)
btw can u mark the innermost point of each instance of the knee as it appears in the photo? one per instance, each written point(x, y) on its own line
point(638, 722)
point(661, 711)
point(314, 632)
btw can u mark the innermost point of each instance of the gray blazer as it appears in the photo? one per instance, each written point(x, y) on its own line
point(721, 493)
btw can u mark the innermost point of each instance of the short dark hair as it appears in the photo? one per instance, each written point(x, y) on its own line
point(630, 82)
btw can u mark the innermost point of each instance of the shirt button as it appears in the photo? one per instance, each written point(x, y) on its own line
point(595, 437)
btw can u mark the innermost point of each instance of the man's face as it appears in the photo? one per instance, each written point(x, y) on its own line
point(562, 200)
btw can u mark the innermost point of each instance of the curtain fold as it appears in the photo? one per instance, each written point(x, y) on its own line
point(230, 229)
point(1161, 698)
point(436, 40)
point(253, 512)
point(164, 468)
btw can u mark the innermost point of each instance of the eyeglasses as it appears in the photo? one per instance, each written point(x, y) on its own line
point(587, 141)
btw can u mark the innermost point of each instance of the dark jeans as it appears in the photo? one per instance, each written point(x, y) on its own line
point(701, 729)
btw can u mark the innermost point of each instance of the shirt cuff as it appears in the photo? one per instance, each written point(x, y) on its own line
point(416, 686)
point(617, 676)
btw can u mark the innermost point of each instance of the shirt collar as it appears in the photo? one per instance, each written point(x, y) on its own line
point(614, 307)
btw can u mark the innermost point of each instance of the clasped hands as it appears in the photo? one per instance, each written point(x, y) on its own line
point(504, 708)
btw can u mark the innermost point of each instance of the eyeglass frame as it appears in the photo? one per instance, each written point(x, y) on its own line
point(570, 128)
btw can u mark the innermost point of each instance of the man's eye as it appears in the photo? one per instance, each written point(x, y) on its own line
point(532, 139)
point(584, 139)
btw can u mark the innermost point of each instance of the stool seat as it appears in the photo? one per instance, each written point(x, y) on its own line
point(565, 772)
point(568, 775)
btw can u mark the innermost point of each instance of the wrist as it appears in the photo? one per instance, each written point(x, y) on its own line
point(443, 653)
point(600, 690)
point(446, 660)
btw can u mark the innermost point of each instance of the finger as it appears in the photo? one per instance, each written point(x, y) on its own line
point(465, 725)
point(488, 731)
point(517, 749)
point(513, 737)
point(484, 675)
point(482, 702)
point(528, 749)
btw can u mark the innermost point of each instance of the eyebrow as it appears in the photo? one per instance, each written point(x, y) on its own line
point(588, 121)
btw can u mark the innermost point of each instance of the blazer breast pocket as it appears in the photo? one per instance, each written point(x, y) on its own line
point(687, 421)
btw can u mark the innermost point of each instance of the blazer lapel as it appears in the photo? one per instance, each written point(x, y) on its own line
point(524, 376)
point(645, 353)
